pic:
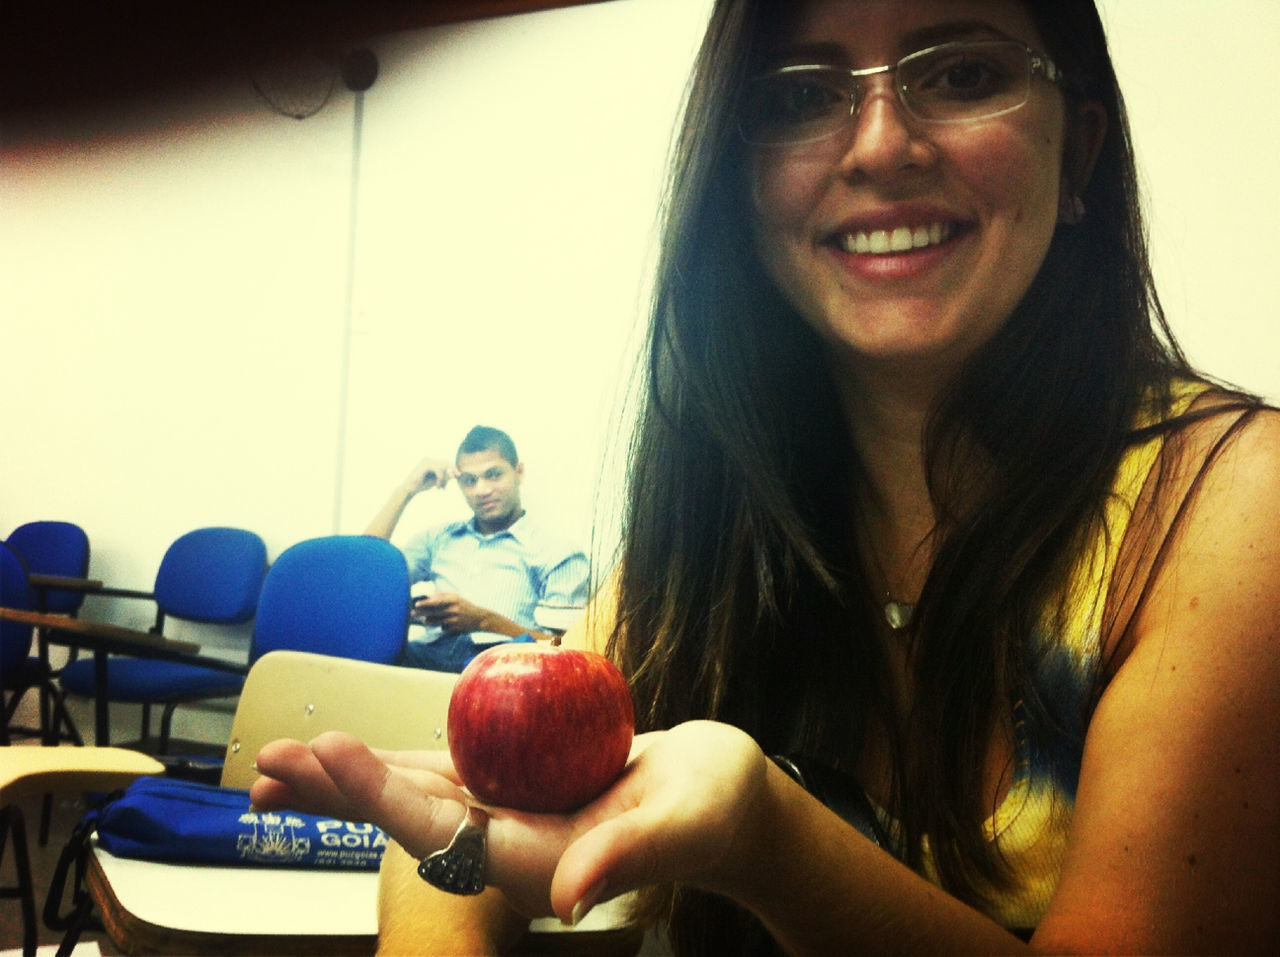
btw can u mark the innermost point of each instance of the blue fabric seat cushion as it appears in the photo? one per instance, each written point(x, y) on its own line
point(141, 680)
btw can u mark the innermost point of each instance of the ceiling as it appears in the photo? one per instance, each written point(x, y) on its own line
point(75, 54)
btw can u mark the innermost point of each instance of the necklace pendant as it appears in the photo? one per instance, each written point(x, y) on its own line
point(898, 614)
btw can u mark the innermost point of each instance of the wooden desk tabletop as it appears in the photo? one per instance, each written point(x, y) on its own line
point(80, 631)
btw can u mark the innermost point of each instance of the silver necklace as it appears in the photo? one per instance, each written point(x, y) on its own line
point(898, 613)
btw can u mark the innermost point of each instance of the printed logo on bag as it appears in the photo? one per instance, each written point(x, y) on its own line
point(351, 842)
point(287, 839)
point(275, 838)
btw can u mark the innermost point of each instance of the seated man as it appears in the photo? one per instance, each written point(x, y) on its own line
point(486, 574)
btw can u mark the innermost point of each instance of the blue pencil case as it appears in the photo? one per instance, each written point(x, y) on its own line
point(169, 819)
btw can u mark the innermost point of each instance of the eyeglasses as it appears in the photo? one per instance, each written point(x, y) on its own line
point(950, 83)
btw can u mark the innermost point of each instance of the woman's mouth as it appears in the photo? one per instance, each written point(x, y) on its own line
point(901, 239)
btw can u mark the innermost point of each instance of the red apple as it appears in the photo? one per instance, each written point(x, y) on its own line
point(539, 728)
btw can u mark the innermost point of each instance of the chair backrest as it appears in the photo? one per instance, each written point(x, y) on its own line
point(15, 638)
point(212, 575)
point(292, 694)
point(54, 548)
point(342, 595)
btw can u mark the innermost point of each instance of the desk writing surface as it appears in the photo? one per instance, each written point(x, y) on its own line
point(259, 901)
point(83, 632)
point(244, 900)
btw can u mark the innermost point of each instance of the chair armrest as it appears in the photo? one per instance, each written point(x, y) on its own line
point(124, 593)
point(64, 583)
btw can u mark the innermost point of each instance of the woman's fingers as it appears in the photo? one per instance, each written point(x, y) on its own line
point(655, 841)
point(288, 760)
point(293, 778)
point(338, 775)
point(678, 812)
point(420, 809)
point(437, 762)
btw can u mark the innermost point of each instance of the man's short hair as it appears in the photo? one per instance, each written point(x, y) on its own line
point(484, 438)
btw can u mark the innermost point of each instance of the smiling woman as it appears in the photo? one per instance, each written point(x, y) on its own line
point(996, 122)
point(1019, 489)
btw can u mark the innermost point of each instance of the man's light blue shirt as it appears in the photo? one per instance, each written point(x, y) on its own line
point(509, 572)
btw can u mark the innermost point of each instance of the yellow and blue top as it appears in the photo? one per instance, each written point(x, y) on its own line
point(1032, 822)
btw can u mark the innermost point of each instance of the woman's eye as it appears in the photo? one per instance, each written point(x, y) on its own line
point(965, 78)
point(803, 99)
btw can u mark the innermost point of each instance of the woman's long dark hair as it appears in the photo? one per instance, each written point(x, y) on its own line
point(741, 593)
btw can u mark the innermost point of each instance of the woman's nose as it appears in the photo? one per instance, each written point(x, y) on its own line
point(883, 138)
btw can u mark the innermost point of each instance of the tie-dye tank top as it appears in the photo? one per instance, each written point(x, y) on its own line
point(1032, 822)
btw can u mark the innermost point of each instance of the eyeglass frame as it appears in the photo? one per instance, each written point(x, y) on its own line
point(1038, 64)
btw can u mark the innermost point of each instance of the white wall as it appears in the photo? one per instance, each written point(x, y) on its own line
point(1200, 84)
point(174, 322)
point(174, 276)
point(171, 302)
point(506, 211)
point(174, 285)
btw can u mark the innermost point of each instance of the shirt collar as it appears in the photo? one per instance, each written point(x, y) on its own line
point(514, 529)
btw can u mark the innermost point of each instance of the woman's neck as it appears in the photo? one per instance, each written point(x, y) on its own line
point(886, 416)
point(887, 411)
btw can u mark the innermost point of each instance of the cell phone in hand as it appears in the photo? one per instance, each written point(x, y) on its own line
point(420, 590)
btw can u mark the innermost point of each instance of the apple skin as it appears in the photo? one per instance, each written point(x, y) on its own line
point(540, 728)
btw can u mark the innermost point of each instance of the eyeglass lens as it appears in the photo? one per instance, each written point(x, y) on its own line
point(949, 83)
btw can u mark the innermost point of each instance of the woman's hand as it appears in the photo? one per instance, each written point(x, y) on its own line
point(682, 810)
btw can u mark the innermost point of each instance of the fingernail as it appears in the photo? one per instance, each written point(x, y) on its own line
point(586, 903)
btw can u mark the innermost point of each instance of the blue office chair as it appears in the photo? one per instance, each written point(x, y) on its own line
point(54, 548)
point(47, 548)
point(210, 576)
point(20, 672)
point(15, 638)
point(346, 596)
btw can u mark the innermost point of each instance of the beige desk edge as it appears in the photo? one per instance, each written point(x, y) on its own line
point(256, 900)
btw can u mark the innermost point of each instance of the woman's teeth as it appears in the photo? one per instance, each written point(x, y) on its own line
point(900, 240)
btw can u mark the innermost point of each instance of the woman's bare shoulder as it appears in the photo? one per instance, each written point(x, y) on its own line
point(1186, 731)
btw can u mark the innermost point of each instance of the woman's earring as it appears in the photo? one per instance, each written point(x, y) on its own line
point(1070, 209)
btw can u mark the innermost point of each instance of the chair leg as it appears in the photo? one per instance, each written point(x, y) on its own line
point(61, 718)
point(13, 826)
point(166, 724)
point(46, 818)
point(11, 709)
point(146, 725)
point(54, 716)
point(48, 733)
